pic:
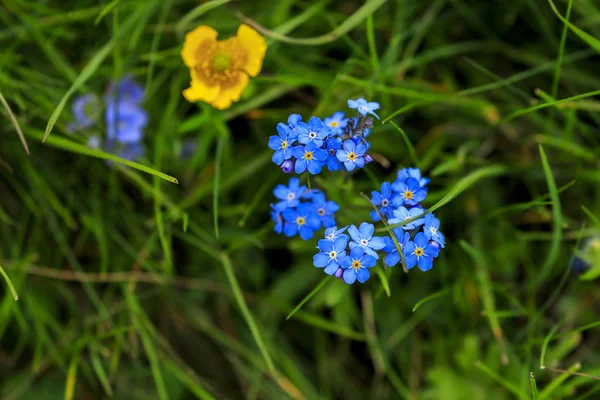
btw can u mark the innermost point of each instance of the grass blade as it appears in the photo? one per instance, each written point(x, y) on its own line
point(586, 37)
point(556, 217)
point(71, 377)
point(14, 121)
point(308, 297)
point(430, 297)
point(352, 21)
point(534, 391)
point(9, 283)
point(106, 10)
point(239, 297)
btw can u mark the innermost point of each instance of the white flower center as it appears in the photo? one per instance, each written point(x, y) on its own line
point(385, 203)
point(291, 196)
point(433, 230)
point(312, 135)
point(364, 242)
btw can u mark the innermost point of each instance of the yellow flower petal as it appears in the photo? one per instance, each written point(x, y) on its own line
point(228, 95)
point(256, 47)
point(200, 90)
point(193, 40)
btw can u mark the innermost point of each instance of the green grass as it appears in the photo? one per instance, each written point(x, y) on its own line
point(163, 279)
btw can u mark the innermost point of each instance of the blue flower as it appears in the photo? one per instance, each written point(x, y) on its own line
point(282, 144)
point(363, 237)
point(410, 193)
point(333, 233)
point(290, 195)
point(303, 219)
point(337, 123)
point(325, 209)
point(313, 132)
point(332, 145)
point(355, 266)
point(363, 107)
point(126, 90)
point(309, 157)
point(393, 257)
point(351, 155)
point(331, 253)
point(406, 173)
point(384, 200)
point(431, 230)
point(277, 218)
point(293, 121)
point(420, 252)
point(127, 151)
point(85, 111)
point(402, 214)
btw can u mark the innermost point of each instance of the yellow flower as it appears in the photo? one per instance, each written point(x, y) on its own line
point(220, 70)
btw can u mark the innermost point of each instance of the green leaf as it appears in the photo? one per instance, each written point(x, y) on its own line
point(9, 283)
point(586, 37)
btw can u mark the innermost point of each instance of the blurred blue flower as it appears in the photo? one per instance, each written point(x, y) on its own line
point(310, 157)
point(313, 132)
point(406, 173)
point(290, 195)
point(432, 230)
point(393, 257)
point(325, 209)
point(356, 265)
point(384, 200)
point(410, 193)
point(332, 145)
point(402, 214)
point(330, 254)
point(85, 111)
point(277, 218)
point(363, 237)
point(127, 151)
point(303, 220)
point(94, 142)
point(333, 233)
point(351, 155)
point(363, 107)
point(125, 122)
point(420, 252)
point(337, 123)
point(282, 144)
point(126, 91)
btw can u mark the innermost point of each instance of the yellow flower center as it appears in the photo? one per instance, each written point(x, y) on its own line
point(221, 62)
point(356, 264)
point(332, 254)
point(334, 124)
point(300, 221)
point(284, 144)
point(418, 252)
point(308, 155)
point(408, 194)
point(352, 156)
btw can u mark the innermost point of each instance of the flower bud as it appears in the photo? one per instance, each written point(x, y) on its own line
point(368, 159)
point(287, 166)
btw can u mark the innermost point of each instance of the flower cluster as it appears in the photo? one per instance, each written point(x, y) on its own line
point(124, 116)
point(293, 216)
point(349, 256)
point(336, 142)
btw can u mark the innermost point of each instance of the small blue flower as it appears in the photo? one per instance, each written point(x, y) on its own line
point(420, 252)
point(363, 237)
point(85, 111)
point(126, 90)
point(402, 214)
point(385, 200)
point(282, 144)
point(363, 107)
point(330, 254)
point(406, 173)
point(310, 157)
point(125, 121)
point(293, 121)
point(410, 193)
point(313, 132)
point(337, 123)
point(393, 257)
point(333, 233)
point(303, 219)
point(277, 218)
point(352, 155)
point(290, 195)
point(332, 145)
point(431, 230)
point(325, 209)
point(355, 266)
